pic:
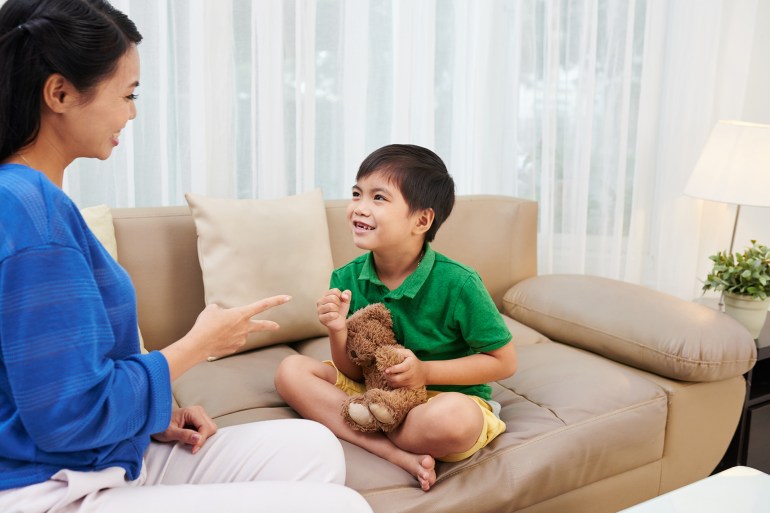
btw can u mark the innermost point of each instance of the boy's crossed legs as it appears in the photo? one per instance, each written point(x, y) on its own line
point(310, 387)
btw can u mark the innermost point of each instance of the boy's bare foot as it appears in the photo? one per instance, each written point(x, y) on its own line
point(421, 466)
point(425, 472)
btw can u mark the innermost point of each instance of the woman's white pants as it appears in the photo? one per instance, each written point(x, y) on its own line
point(272, 466)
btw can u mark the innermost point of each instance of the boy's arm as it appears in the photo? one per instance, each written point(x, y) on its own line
point(468, 370)
point(333, 310)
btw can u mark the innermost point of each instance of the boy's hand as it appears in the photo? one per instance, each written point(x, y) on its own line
point(411, 373)
point(333, 309)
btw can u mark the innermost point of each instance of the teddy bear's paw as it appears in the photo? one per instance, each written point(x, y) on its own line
point(361, 416)
point(382, 413)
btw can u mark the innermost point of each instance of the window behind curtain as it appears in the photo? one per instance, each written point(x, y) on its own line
point(596, 109)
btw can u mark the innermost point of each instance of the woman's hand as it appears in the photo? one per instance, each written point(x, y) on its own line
point(190, 425)
point(223, 331)
point(218, 332)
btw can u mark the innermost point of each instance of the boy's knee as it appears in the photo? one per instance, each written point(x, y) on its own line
point(466, 415)
point(297, 370)
point(288, 370)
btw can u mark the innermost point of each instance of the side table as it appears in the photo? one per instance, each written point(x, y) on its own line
point(751, 443)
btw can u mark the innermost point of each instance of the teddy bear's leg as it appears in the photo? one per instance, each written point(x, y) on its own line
point(390, 407)
point(357, 415)
point(382, 413)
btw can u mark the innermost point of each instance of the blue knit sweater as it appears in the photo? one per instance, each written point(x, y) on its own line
point(75, 392)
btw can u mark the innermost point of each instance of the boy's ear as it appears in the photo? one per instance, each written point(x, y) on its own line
point(58, 93)
point(424, 220)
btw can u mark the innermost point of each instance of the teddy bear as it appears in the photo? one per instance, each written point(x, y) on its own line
point(372, 345)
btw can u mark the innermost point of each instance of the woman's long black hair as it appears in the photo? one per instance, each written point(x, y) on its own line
point(82, 40)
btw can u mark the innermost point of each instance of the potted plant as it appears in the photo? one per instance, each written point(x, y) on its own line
point(744, 278)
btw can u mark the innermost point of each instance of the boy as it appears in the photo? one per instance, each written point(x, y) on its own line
point(455, 339)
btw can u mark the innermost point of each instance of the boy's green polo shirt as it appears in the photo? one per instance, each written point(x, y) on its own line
point(442, 311)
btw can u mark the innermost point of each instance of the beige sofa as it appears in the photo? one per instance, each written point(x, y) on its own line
point(622, 393)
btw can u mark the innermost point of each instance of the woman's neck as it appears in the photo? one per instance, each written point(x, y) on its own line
point(44, 158)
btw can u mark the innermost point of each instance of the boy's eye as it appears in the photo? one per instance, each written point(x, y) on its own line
point(356, 194)
point(132, 96)
point(379, 197)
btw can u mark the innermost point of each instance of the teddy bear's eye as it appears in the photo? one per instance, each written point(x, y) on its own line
point(353, 354)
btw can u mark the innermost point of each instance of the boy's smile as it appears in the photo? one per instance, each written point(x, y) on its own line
point(359, 225)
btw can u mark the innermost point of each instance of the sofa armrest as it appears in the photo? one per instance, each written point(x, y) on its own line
point(634, 325)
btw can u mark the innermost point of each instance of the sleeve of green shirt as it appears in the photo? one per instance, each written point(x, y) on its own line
point(480, 322)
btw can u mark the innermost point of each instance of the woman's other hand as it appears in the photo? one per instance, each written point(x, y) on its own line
point(190, 425)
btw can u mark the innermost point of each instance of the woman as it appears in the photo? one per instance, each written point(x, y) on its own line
point(78, 402)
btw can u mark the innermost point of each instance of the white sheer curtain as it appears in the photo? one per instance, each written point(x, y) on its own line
point(696, 63)
point(595, 108)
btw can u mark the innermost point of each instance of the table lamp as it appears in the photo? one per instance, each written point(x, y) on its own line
point(734, 167)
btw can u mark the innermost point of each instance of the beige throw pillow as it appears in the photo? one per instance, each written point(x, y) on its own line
point(99, 220)
point(252, 249)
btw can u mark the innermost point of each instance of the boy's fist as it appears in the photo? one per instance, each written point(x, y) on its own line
point(333, 309)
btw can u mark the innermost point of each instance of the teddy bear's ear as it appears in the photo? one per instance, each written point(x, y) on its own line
point(380, 313)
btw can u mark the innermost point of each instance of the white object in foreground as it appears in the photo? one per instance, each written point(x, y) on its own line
point(737, 490)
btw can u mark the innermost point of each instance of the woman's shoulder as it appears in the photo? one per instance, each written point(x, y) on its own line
point(17, 178)
point(35, 212)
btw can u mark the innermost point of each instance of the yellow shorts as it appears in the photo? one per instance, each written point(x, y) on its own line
point(493, 426)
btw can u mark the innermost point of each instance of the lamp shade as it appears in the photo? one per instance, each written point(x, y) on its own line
point(734, 166)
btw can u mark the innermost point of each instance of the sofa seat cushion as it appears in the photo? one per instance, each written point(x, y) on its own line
point(573, 418)
point(238, 383)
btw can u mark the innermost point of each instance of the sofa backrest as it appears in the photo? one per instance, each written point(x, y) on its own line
point(496, 235)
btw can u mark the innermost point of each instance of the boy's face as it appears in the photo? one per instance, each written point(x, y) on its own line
point(379, 216)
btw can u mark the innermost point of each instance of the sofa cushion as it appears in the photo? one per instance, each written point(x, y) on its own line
point(233, 384)
point(251, 249)
point(522, 334)
point(569, 413)
point(99, 221)
point(635, 325)
point(573, 419)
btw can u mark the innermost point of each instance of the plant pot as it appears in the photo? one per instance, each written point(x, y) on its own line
point(748, 311)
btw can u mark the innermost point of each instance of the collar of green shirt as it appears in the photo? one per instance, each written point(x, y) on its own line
point(412, 283)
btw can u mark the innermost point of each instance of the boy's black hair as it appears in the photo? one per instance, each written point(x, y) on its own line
point(82, 40)
point(419, 174)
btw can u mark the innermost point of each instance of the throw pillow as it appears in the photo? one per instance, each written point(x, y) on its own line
point(252, 249)
point(99, 220)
